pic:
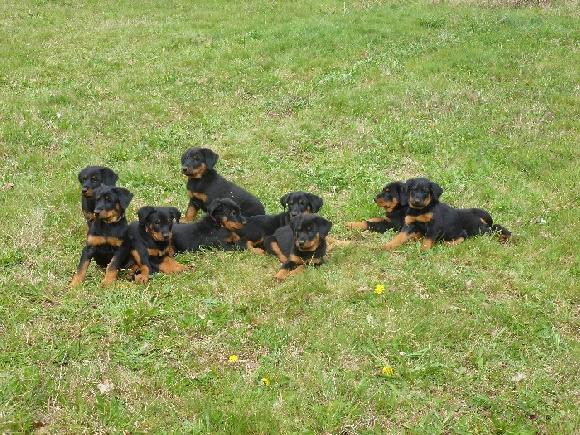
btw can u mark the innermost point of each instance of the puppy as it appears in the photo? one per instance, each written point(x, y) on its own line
point(90, 178)
point(215, 229)
point(108, 240)
point(393, 199)
point(298, 244)
point(204, 185)
point(257, 228)
point(432, 220)
point(153, 234)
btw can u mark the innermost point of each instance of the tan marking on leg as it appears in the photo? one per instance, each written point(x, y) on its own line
point(169, 266)
point(401, 238)
point(363, 226)
point(296, 271)
point(142, 277)
point(233, 238)
point(454, 242)
point(110, 276)
point(278, 252)
point(281, 275)
point(80, 274)
point(397, 241)
point(427, 244)
point(190, 214)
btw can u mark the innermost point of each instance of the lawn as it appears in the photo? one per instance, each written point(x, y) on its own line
point(332, 97)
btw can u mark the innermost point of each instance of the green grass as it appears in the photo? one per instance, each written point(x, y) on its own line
point(332, 97)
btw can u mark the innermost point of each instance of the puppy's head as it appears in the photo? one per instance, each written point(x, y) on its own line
point(196, 161)
point(300, 202)
point(158, 221)
point(422, 192)
point(226, 213)
point(111, 203)
point(309, 231)
point(92, 177)
point(392, 196)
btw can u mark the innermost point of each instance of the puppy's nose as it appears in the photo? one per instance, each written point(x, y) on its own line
point(301, 243)
point(184, 169)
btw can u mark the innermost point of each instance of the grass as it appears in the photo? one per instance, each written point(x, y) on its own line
point(332, 97)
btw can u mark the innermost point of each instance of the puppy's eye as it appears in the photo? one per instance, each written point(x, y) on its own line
point(300, 202)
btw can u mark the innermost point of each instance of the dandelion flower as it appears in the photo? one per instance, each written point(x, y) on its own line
point(265, 382)
point(379, 289)
point(233, 358)
point(388, 371)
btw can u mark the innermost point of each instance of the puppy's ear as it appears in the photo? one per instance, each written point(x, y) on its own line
point(80, 175)
point(324, 226)
point(402, 193)
point(125, 196)
point(109, 177)
point(284, 200)
point(436, 190)
point(213, 206)
point(143, 213)
point(315, 201)
point(174, 213)
point(210, 157)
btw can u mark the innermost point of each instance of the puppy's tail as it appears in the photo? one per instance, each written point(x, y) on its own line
point(503, 233)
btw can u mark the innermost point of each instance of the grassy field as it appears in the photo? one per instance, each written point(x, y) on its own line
point(332, 97)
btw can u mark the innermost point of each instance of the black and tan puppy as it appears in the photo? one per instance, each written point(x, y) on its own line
point(204, 185)
point(393, 199)
point(214, 230)
point(153, 232)
point(432, 220)
point(108, 241)
point(90, 178)
point(257, 228)
point(301, 243)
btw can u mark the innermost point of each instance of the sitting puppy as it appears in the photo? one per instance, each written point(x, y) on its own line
point(434, 220)
point(90, 178)
point(108, 240)
point(153, 232)
point(215, 229)
point(205, 185)
point(301, 243)
point(258, 227)
point(393, 198)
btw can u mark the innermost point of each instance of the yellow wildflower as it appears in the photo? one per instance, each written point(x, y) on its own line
point(265, 382)
point(388, 371)
point(379, 289)
point(233, 358)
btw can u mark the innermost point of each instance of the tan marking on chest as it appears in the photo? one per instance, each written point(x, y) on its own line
point(197, 195)
point(102, 240)
point(424, 218)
